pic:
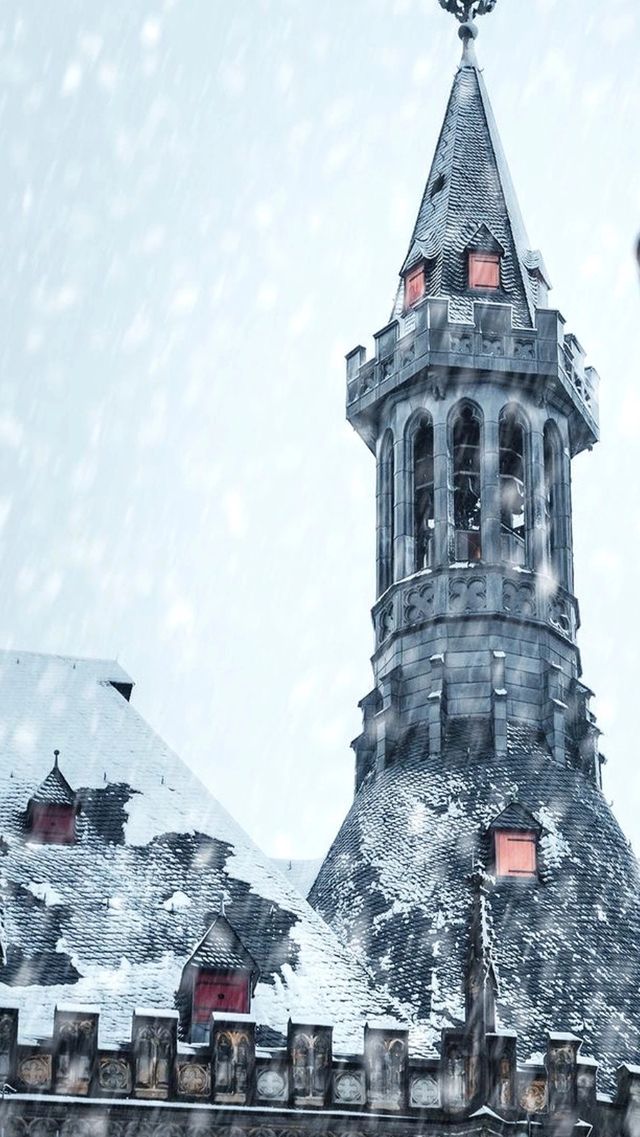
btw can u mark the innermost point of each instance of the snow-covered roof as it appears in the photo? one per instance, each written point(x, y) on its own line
point(113, 918)
point(395, 886)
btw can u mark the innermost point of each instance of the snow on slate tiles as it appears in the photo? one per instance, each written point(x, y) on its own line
point(469, 185)
point(565, 947)
point(113, 918)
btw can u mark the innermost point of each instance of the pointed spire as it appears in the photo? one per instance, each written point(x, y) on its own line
point(468, 191)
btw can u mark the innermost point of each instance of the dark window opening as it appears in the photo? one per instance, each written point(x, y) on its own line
point(484, 270)
point(386, 532)
point(52, 824)
point(512, 490)
point(552, 484)
point(437, 186)
point(414, 287)
point(516, 853)
point(467, 509)
point(423, 496)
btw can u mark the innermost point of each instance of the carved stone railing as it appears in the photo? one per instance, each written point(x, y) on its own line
point(469, 590)
point(154, 1068)
point(431, 340)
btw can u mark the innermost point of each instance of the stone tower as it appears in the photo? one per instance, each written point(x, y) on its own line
point(478, 746)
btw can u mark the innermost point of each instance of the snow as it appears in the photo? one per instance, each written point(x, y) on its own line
point(42, 890)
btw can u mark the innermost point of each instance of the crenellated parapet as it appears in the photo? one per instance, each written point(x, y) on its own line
point(428, 346)
point(476, 1075)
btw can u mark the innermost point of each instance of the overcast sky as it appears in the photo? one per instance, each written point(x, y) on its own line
point(205, 205)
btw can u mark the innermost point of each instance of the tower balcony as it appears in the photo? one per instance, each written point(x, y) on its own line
point(430, 348)
point(518, 596)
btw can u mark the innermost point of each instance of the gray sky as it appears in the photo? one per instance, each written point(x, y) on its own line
point(205, 205)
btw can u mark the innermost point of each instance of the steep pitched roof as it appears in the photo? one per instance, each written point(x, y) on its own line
point(55, 789)
point(113, 918)
point(222, 947)
point(564, 948)
point(469, 187)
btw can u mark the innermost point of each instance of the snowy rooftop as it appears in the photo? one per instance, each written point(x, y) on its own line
point(113, 919)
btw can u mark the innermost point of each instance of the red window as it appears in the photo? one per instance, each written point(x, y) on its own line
point(414, 286)
point(484, 270)
point(53, 824)
point(516, 853)
point(220, 991)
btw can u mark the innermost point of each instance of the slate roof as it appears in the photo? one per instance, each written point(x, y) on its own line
point(55, 790)
point(114, 918)
point(221, 947)
point(395, 886)
point(469, 189)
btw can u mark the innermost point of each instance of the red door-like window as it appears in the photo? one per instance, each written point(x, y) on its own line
point(516, 853)
point(220, 991)
point(53, 824)
point(413, 287)
point(484, 270)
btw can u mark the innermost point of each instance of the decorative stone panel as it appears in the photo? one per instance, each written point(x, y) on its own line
point(193, 1079)
point(272, 1083)
point(349, 1087)
point(424, 1090)
point(154, 1041)
point(309, 1053)
point(114, 1075)
point(75, 1039)
point(233, 1059)
point(386, 1058)
point(34, 1072)
point(8, 1043)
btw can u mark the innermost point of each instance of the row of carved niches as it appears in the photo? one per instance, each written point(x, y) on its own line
point(473, 591)
point(226, 1070)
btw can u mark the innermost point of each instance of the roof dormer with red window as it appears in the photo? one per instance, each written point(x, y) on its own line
point(220, 976)
point(515, 836)
point(53, 809)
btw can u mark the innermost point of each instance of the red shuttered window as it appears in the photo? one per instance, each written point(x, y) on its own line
point(484, 270)
point(220, 991)
point(516, 853)
point(414, 286)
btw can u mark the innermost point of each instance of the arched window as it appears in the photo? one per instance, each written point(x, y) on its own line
point(467, 509)
point(386, 529)
point(553, 494)
point(513, 488)
point(423, 498)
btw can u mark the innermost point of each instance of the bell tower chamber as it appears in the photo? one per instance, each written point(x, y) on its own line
point(474, 404)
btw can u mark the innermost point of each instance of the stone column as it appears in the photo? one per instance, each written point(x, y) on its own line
point(489, 470)
point(442, 492)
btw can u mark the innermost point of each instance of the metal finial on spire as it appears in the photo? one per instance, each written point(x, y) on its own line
point(56, 755)
point(466, 10)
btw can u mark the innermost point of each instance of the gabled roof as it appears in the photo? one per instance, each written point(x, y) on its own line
point(113, 918)
point(515, 816)
point(55, 790)
point(470, 186)
point(221, 947)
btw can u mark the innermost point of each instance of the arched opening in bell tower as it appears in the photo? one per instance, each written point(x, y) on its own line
point(513, 488)
point(553, 496)
point(386, 527)
point(423, 493)
point(467, 503)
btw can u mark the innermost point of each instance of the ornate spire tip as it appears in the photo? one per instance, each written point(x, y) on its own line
point(466, 10)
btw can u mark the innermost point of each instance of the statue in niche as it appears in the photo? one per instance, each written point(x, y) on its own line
point(224, 1064)
point(456, 1077)
point(301, 1065)
point(377, 1068)
point(74, 1053)
point(242, 1065)
point(153, 1058)
point(393, 1067)
point(6, 1041)
point(564, 1074)
point(321, 1065)
point(504, 1083)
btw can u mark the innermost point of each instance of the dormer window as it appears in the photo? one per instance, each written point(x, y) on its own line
point(484, 271)
point(414, 286)
point(516, 853)
point(515, 834)
point(53, 809)
point(219, 978)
